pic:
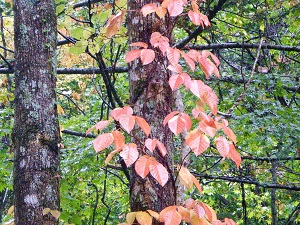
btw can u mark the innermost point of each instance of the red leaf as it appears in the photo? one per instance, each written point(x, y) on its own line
point(150, 144)
point(142, 166)
point(132, 55)
point(100, 125)
point(130, 154)
point(211, 131)
point(117, 113)
point(139, 44)
point(195, 18)
point(158, 171)
point(127, 122)
point(172, 217)
point(143, 125)
point(175, 68)
point(199, 210)
point(147, 56)
point(187, 120)
point(197, 141)
point(119, 140)
point(148, 8)
point(189, 60)
point(187, 80)
point(234, 155)
point(173, 55)
point(176, 125)
point(223, 146)
point(169, 116)
point(103, 141)
point(161, 147)
point(228, 132)
point(175, 81)
point(206, 94)
point(175, 7)
point(157, 40)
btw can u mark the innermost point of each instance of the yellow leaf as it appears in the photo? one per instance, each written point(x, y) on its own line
point(75, 95)
point(11, 210)
point(46, 211)
point(55, 213)
point(60, 110)
point(130, 217)
point(143, 218)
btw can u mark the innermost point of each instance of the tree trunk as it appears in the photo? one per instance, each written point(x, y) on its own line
point(151, 97)
point(36, 131)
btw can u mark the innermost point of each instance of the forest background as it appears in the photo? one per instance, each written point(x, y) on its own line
point(264, 190)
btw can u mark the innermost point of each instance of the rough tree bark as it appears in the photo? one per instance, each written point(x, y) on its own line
point(36, 131)
point(151, 97)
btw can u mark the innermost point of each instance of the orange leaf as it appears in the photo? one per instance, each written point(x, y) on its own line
point(185, 213)
point(169, 116)
point(165, 210)
point(185, 178)
point(175, 81)
point(127, 122)
point(209, 212)
point(143, 218)
point(111, 155)
point(150, 144)
point(103, 141)
point(132, 55)
point(234, 155)
point(143, 125)
point(142, 166)
point(158, 171)
point(197, 141)
point(176, 124)
point(114, 23)
point(197, 184)
point(129, 154)
point(147, 56)
point(153, 214)
point(161, 12)
point(161, 147)
point(119, 140)
point(223, 146)
point(148, 8)
point(139, 44)
point(207, 129)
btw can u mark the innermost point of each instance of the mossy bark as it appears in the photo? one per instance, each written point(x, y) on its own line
point(151, 97)
point(36, 131)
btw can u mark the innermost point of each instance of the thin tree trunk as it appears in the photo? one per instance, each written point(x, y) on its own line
point(36, 131)
point(273, 193)
point(151, 97)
